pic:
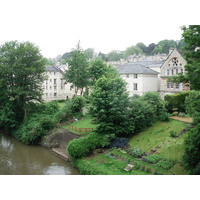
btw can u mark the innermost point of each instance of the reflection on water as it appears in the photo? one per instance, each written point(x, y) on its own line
point(19, 159)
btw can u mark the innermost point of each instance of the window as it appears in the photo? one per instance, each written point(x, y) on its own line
point(127, 75)
point(177, 85)
point(55, 94)
point(55, 88)
point(168, 72)
point(54, 81)
point(176, 71)
point(135, 86)
point(134, 75)
point(50, 80)
point(168, 84)
point(54, 73)
point(50, 87)
point(46, 81)
point(181, 70)
point(172, 85)
point(172, 72)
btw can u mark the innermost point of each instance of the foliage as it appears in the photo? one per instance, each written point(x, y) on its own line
point(114, 56)
point(135, 152)
point(133, 50)
point(119, 143)
point(109, 101)
point(193, 106)
point(78, 148)
point(77, 103)
point(192, 149)
point(77, 72)
point(172, 133)
point(152, 158)
point(176, 101)
point(97, 69)
point(21, 77)
point(158, 105)
point(165, 163)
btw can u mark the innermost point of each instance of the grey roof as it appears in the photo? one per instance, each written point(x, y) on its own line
point(53, 69)
point(151, 63)
point(134, 68)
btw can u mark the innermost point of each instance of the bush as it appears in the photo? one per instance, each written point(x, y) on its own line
point(193, 106)
point(77, 103)
point(119, 143)
point(191, 155)
point(152, 158)
point(135, 152)
point(165, 164)
point(176, 101)
point(172, 133)
point(78, 148)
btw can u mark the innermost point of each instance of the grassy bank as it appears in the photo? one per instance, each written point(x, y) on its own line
point(158, 137)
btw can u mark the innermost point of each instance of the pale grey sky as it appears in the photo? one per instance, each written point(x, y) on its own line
point(105, 25)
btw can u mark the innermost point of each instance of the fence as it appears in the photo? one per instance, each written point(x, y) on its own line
point(80, 130)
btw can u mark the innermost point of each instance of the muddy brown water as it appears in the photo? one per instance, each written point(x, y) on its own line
point(16, 158)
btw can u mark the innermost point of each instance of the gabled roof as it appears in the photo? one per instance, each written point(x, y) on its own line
point(134, 68)
point(170, 55)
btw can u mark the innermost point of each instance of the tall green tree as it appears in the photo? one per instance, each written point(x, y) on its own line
point(191, 35)
point(77, 73)
point(22, 70)
point(110, 106)
point(114, 56)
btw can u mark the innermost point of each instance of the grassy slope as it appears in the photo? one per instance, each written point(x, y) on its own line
point(157, 135)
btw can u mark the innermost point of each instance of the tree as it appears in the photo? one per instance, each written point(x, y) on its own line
point(89, 53)
point(97, 69)
point(110, 106)
point(143, 47)
point(21, 76)
point(114, 56)
point(77, 73)
point(133, 50)
point(191, 37)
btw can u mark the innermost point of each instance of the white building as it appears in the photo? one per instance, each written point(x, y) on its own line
point(54, 87)
point(139, 78)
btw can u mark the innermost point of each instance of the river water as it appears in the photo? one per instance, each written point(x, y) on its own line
point(17, 158)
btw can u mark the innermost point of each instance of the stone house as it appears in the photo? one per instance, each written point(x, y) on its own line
point(173, 65)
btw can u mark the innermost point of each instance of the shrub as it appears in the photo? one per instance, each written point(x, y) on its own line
point(176, 101)
point(172, 133)
point(78, 148)
point(193, 106)
point(165, 164)
point(77, 103)
point(135, 152)
point(191, 155)
point(119, 142)
point(152, 158)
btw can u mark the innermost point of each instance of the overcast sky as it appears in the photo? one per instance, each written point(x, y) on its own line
point(57, 25)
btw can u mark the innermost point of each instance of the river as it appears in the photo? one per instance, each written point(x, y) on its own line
point(17, 158)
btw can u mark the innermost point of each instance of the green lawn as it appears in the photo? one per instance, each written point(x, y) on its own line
point(85, 122)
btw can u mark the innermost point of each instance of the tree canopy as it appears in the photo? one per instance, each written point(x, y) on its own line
point(21, 76)
point(77, 72)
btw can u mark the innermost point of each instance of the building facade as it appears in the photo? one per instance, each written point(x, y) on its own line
point(54, 87)
point(139, 78)
point(173, 65)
